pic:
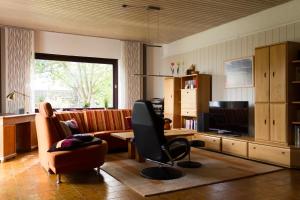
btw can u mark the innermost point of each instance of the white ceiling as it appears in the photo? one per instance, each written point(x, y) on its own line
point(107, 18)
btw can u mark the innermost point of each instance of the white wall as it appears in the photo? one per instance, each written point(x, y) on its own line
point(76, 45)
point(154, 84)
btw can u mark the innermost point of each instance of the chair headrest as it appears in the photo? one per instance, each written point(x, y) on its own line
point(45, 109)
point(143, 112)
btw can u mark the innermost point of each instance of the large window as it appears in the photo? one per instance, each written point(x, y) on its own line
point(75, 82)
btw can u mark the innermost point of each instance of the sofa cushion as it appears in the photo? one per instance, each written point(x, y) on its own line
point(66, 130)
point(65, 144)
point(74, 142)
point(114, 120)
point(77, 115)
point(94, 120)
point(85, 137)
point(57, 128)
point(106, 120)
point(73, 126)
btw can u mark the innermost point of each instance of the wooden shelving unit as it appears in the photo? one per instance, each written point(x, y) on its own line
point(294, 95)
point(185, 97)
point(195, 97)
point(172, 103)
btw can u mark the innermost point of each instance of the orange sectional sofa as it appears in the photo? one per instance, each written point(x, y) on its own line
point(49, 132)
point(101, 123)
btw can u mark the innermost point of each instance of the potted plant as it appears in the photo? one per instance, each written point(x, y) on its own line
point(105, 103)
point(86, 104)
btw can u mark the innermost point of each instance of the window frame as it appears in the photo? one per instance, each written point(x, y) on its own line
point(113, 62)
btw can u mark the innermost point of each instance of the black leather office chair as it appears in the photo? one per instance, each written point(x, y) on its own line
point(151, 143)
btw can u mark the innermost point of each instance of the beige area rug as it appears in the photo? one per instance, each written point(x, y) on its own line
point(216, 168)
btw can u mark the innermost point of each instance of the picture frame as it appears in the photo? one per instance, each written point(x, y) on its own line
point(239, 72)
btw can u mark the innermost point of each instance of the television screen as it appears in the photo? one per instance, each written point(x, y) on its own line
point(229, 117)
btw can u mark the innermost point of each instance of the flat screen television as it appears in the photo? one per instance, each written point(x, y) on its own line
point(229, 117)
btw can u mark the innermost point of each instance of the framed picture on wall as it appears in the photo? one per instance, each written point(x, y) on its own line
point(239, 73)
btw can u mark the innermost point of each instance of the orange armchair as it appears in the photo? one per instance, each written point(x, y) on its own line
point(49, 131)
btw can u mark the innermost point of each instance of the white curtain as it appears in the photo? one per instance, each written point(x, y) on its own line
point(130, 86)
point(17, 58)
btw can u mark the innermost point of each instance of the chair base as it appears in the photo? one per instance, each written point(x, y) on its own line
point(58, 179)
point(189, 164)
point(161, 173)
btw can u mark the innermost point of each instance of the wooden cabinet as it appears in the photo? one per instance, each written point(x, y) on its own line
point(185, 97)
point(271, 122)
point(262, 71)
point(195, 97)
point(278, 122)
point(270, 154)
point(172, 103)
point(8, 145)
point(262, 121)
point(17, 132)
point(278, 68)
point(189, 112)
point(189, 102)
point(211, 142)
point(271, 73)
point(169, 95)
point(274, 75)
point(235, 147)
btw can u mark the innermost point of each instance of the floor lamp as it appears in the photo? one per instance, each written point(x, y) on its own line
point(11, 96)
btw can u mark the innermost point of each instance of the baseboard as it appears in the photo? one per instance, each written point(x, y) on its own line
point(4, 158)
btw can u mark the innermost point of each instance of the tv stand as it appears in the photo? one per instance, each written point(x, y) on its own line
point(226, 143)
point(247, 147)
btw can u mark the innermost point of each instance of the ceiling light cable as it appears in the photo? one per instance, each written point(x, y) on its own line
point(149, 9)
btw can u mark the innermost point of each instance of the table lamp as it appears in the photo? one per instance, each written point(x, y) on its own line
point(11, 96)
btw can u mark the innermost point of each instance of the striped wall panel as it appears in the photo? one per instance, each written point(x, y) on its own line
point(211, 60)
point(18, 59)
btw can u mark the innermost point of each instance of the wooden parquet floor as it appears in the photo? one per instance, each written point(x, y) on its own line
point(24, 178)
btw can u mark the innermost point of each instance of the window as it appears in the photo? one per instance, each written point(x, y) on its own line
point(75, 82)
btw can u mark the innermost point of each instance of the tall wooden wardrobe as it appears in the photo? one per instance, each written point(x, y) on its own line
point(172, 105)
point(275, 93)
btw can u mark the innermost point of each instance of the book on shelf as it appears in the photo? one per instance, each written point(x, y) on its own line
point(190, 124)
point(191, 84)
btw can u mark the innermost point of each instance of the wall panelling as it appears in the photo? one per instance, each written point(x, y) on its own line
point(211, 59)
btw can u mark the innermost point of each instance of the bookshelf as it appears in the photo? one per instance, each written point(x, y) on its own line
point(195, 97)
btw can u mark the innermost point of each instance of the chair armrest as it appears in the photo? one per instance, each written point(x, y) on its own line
point(179, 139)
point(183, 141)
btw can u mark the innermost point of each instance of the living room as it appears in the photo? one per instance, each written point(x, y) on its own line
point(91, 61)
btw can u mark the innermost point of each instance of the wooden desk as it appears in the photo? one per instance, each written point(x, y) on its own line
point(17, 132)
point(133, 154)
